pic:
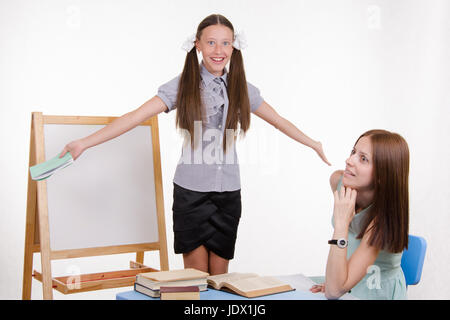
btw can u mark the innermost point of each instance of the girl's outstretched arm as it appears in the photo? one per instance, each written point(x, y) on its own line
point(267, 113)
point(119, 126)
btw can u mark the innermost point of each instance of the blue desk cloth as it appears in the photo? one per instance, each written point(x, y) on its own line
point(212, 294)
point(299, 282)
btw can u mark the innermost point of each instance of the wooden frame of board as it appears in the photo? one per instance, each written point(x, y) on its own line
point(37, 236)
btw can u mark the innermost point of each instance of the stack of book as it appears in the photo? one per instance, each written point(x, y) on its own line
point(150, 283)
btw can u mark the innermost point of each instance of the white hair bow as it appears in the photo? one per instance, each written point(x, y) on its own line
point(189, 43)
point(240, 41)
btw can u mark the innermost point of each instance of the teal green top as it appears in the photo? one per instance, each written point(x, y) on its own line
point(384, 279)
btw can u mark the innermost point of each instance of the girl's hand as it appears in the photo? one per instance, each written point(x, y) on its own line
point(318, 148)
point(76, 148)
point(318, 288)
point(344, 206)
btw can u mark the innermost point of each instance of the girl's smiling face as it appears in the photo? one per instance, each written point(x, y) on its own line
point(358, 172)
point(216, 47)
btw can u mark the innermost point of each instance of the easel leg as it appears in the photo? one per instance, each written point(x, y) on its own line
point(42, 209)
point(140, 257)
point(27, 277)
point(30, 224)
point(45, 245)
point(28, 257)
point(46, 276)
point(163, 258)
point(28, 261)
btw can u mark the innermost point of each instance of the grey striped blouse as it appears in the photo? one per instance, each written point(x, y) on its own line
point(207, 168)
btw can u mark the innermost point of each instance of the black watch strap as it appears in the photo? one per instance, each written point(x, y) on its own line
point(341, 243)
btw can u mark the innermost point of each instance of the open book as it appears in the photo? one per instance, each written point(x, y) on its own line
point(249, 285)
point(45, 169)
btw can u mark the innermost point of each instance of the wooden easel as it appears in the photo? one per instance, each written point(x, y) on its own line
point(37, 237)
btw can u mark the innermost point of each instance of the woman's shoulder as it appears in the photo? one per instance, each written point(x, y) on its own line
point(334, 179)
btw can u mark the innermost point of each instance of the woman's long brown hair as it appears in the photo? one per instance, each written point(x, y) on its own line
point(389, 213)
point(189, 98)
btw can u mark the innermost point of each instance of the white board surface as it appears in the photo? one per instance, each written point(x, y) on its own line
point(107, 196)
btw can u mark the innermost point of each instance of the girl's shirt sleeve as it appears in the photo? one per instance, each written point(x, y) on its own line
point(168, 93)
point(254, 96)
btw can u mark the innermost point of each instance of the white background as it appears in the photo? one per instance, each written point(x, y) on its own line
point(333, 68)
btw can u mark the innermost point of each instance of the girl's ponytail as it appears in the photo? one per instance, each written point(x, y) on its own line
point(188, 98)
point(239, 104)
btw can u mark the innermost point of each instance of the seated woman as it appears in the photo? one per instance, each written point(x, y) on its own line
point(370, 220)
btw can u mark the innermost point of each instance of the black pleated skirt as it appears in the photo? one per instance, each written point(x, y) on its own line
point(206, 218)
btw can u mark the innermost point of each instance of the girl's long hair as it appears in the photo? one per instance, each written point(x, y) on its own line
point(389, 213)
point(189, 100)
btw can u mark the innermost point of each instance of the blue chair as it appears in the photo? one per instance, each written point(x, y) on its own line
point(413, 258)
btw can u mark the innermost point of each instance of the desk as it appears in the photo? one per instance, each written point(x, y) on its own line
point(297, 281)
point(212, 294)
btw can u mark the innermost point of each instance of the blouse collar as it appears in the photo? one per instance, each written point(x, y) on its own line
point(207, 77)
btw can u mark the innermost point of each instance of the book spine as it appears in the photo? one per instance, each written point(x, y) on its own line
point(148, 292)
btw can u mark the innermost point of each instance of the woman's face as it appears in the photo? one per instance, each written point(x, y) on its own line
point(216, 47)
point(359, 166)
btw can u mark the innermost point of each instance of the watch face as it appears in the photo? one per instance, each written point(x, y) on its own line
point(342, 243)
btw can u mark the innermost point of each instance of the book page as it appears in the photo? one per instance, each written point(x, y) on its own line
point(256, 283)
point(219, 280)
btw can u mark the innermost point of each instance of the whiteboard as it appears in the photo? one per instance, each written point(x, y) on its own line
point(107, 196)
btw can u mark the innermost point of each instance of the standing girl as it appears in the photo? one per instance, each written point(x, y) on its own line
point(212, 106)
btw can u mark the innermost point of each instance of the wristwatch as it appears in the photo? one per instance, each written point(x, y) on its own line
point(341, 243)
